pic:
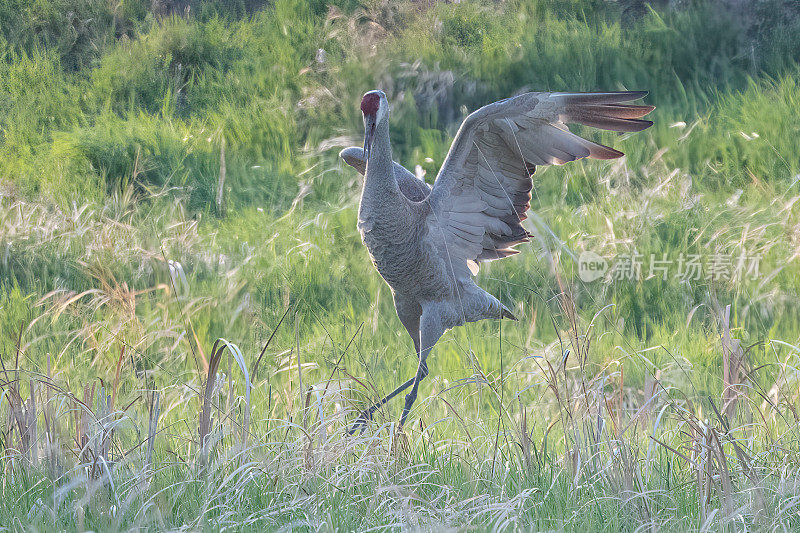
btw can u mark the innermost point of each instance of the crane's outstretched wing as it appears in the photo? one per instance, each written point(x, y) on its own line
point(412, 187)
point(483, 189)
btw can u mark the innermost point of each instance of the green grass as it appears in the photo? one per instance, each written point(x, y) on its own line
point(113, 122)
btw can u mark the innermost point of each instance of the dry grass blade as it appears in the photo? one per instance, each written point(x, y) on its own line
point(732, 365)
point(205, 422)
point(152, 430)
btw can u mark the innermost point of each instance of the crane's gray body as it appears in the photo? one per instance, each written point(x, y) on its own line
point(401, 236)
point(427, 242)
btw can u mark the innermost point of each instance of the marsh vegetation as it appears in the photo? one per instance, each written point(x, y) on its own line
point(181, 351)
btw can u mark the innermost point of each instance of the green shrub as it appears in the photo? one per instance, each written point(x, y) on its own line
point(751, 136)
point(157, 71)
point(466, 27)
point(36, 98)
point(77, 31)
point(145, 151)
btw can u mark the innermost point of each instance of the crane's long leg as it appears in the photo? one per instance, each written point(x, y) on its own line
point(430, 331)
point(366, 414)
point(409, 314)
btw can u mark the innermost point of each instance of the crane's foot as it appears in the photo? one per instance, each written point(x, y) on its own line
point(361, 422)
point(411, 397)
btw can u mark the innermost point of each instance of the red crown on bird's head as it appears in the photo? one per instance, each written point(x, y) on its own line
point(370, 103)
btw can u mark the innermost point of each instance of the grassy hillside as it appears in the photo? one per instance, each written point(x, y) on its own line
point(626, 402)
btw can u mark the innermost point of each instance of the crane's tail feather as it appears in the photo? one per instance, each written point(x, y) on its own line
point(508, 314)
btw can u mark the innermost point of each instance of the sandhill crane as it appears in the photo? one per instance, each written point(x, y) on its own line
point(427, 242)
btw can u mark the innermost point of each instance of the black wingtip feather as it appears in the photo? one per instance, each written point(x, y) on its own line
point(609, 122)
point(612, 97)
point(605, 111)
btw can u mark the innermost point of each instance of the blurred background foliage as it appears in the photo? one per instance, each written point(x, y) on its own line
point(95, 91)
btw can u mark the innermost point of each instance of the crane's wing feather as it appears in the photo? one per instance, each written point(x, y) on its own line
point(412, 187)
point(483, 189)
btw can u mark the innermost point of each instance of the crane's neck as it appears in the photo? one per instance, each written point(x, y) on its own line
point(379, 177)
point(383, 212)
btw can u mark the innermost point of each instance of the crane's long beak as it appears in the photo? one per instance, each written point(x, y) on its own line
point(369, 133)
